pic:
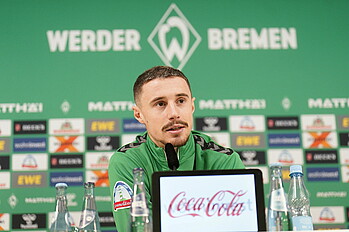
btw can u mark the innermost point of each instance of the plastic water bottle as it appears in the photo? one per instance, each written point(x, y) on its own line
point(298, 199)
point(89, 220)
point(62, 220)
point(278, 219)
point(140, 216)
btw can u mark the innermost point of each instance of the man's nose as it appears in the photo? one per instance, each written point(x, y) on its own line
point(172, 111)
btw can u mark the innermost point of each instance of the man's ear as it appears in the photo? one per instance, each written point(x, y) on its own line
point(193, 104)
point(138, 114)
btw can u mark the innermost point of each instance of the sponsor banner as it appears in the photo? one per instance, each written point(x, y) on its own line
point(40, 200)
point(128, 138)
point(284, 140)
point(345, 174)
point(133, 126)
point(318, 122)
point(4, 162)
point(29, 162)
point(333, 228)
point(5, 128)
point(4, 145)
point(103, 143)
point(67, 161)
point(103, 198)
point(247, 123)
point(252, 157)
point(321, 156)
point(211, 124)
point(28, 221)
point(29, 144)
point(106, 219)
point(343, 122)
point(29, 179)
point(5, 180)
point(4, 222)
point(344, 155)
point(29, 127)
point(232, 104)
point(282, 123)
point(265, 172)
point(323, 174)
point(332, 194)
point(110, 106)
point(66, 144)
point(102, 126)
point(250, 140)
point(285, 156)
point(71, 178)
point(99, 177)
point(97, 160)
point(344, 139)
point(67, 126)
point(325, 139)
point(327, 214)
point(222, 138)
point(22, 108)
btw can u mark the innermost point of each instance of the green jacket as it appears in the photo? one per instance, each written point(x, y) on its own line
point(199, 153)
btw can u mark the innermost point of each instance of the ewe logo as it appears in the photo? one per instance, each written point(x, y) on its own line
point(174, 37)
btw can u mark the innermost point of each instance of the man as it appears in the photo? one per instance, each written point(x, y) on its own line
point(164, 104)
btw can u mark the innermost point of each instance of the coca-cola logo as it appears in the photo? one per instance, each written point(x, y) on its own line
point(222, 203)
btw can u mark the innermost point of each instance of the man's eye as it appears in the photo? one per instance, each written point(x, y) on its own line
point(181, 100)
point(160, 104)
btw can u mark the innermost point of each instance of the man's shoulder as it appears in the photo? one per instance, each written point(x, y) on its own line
point(127, 152)
point(206, 144)
point(140, 140)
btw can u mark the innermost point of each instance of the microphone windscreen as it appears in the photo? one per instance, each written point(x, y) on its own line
point(171, 155)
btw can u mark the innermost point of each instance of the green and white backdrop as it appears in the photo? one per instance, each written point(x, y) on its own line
point(270, 78)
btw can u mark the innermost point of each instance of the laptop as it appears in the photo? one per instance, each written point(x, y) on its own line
point(212, 201)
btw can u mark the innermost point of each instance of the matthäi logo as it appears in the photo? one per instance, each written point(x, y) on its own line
point(166, 42)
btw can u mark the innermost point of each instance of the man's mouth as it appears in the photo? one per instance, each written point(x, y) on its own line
point(175, 126)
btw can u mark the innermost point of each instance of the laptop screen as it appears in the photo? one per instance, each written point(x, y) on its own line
point(220, 200)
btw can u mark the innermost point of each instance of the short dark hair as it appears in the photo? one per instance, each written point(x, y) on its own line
point(155, 73)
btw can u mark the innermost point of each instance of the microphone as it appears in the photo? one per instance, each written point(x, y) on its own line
point(172, 159)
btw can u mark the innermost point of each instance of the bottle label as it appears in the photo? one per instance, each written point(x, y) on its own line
point(278, 200)
point(302, 223)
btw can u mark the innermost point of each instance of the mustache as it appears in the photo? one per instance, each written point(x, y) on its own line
point(170, 124)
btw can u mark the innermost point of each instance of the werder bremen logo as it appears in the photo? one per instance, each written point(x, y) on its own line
point(174, 39)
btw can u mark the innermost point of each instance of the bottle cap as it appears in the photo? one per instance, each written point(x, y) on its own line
point(138, 170)
point(61, 185)
point(296, 169)
point(89, 184)
point(277, 164)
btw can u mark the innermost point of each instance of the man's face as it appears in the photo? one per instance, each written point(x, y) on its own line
point(166, 108)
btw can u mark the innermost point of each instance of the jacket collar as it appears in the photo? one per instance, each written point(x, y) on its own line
point(186, 154)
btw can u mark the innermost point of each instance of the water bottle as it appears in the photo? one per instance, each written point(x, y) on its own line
point(298, 199)
point(140, 216)
point(62, 220)
point(89, 220)
point(278, 218)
